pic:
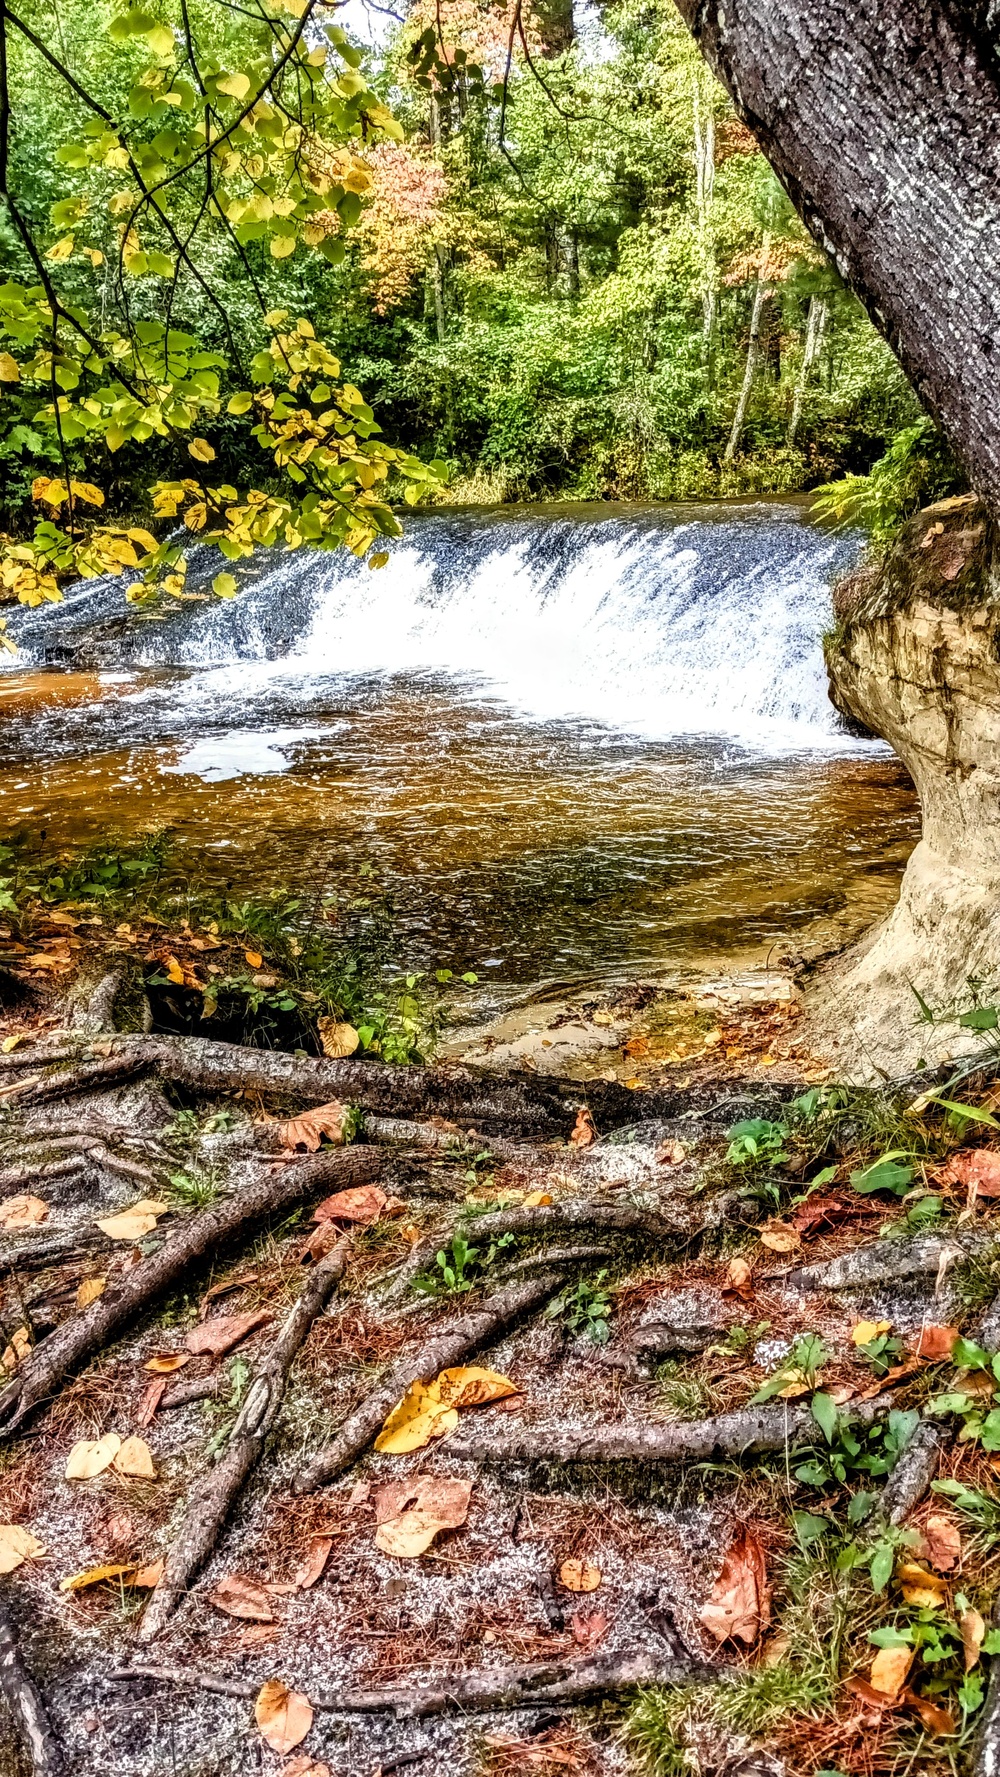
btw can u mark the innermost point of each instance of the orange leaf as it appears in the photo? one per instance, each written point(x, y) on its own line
point(979, 1169)
point(935, 1342)
point(936, 1721)
point(920, 1587)
point(22, 1211)
point(739, 1605)
point(254, 958)
point(780, 1238)
point(410, 1513)
point(583, 1133)
point(580, 1576)
point(890, 1670)
point(973, 1630)
point(164, 1363)
point(363, 1203)
point(238, 1596)
point(315, 1562)
point(307, 1130)
point(942, 1543)
point(90, 1290)
point(214, 1338)
point(284, 1717)
point(738, 1280)
point(589, 1627)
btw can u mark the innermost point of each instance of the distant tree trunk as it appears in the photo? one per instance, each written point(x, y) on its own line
point(573, 263)
point(437, 283)
point(880, 118)
point(815, 334)
point(761, 293)
point(704, 188)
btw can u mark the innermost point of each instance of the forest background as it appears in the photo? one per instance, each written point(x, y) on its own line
point(574, 275)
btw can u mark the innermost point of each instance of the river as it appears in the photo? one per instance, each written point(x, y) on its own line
point(579, 743)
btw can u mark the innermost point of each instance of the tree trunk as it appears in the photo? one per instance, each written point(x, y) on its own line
point(437, 284)
point(704, 190)
point(880, 119)
point(760, 295)
point(815, 334)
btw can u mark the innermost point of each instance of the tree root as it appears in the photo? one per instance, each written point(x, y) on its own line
point(88, 1076)
point(127, 1296)
point(988, 1738)
point(891, 1261)
point(25, 1703)
point(749, 1432)
point(213, 1496)
point(15, 1178)
point(542, 1218)
point(912, 1474)
point(452, 1345)
point(516, 1687)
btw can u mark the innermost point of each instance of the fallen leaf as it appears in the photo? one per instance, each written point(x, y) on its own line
point(738, 1280)
point(860, 1688)
point(307, 1130)
point(89, 1291)
point(174, 971)
point(135, 1459)
point(301, 1765)
point(151, 1398)
point(238, 1596)
point(18, 1349)
point(214, 1338)
point(91, 1456)
point(918, 1586)
point(890, 1670)
point(284, 1717)
point(738, 1607)
point(164, 1363)
point(410, 1513)
point(942, 1542)
point(148, 1577)
point(23, 1211)
point(315, 1562)
point(10, 1043)
point(16, 1545)
point(973, 1629)
point(363, 1203)
point(257, 1635)
point(336, 1038)
point(225, 1288)
point(254, 958)
point(319, 1242)
point(780, 1238)
point(536, 1200)
point(867, 1330)
point(588, 1627)
point(580, 1576)
point(936, 1721)
point(671, 1153)
point(979, 1169)
point(133, 1224)
point(94, 1575)
point(583, 1133)
point(430, 1410)
point(935, 1342)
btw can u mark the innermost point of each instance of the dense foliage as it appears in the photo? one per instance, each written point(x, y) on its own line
point(553, 259)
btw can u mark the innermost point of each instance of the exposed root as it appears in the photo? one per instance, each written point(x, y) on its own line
point(480, 1326)
point(27, 1710)
point(913, 1473)
point(892, 1261)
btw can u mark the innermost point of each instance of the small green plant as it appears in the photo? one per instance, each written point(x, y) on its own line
point(584, 1307)
point(238, 1376)
point(757, 1142)
point(460, 1267)
point(740, 1340)
point(885, 1174)
point(190, 1190)
point(882, 1353)
point(800, 1369)
point(683, 1395)
point(980, 1418)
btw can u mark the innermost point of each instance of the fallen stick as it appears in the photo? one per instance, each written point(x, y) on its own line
point(914, 1470)
point(27, 1709)
point(452, 1345)
point(403, 1132)
point(988, 1738)
point(749, 1432)
point(212, 1497)
point(194, 1388)
point(128, 1295)
point(516, 1687)
point(542, 1218)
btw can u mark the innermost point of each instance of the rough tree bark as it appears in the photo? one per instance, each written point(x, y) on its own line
point(879, 117)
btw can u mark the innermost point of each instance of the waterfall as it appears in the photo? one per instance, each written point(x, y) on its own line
point(663, 622)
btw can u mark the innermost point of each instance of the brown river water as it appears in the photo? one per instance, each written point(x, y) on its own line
point(578, 744)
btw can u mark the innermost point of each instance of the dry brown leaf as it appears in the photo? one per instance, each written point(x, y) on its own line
point(942, 1543)
point(583, 1134)
point(149, 1576)
point(580, 1576)
point(134, 1223)
point(935, 1342)
point(979, 1169)
point(214, 1338)
point(18, 1349)
point(151, 1398)
point(90, 1290)
point(338, 1039)
point(16, 1545)
point(91, 1456)
point(780, 1238)
point(363, 1203)
point(284, 1717)
point(257, 1635)
point(238, 1596)
point(738, 1280)
point(936, 1721)
point(319, 1243)
point(920, 1587)
point(409, 1514)
point(890, 1670)
point(306, 1131)
point(315, 1562)
point(739, 1607)
point(302, 1765)
point(135, 1459)
point(589, 1627)
point(23, 1211)
point(973, 1630)
point(164, 1363)
point(225, 1288)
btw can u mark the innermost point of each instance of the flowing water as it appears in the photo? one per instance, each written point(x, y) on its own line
point(578, 742)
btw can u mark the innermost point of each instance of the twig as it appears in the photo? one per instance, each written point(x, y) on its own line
point(480, 1326)
point(26, 1707)
point(213, 1496)
point(126, 1296)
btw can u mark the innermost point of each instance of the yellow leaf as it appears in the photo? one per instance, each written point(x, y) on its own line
point(235, 86)
point(889, 1670)
point(924, 1589)
point(89, 1291)
point(10, 369)
point(174, 971)
point(134, 1223)
point(471, 1386)
point(135, 1458)
point(61, 250)
point(420, 1416)
point(10, 1043)
point(337, 1039)
point(254, 958)
point(284, 1717)
point(160, 40)
point(536, 1200)
point(379, 559)
point(580, 1576)
point(867, 1330)
point(282, 246)
point(780, 1239)
point(224, 586)
point(91, 1456)
point(17, 1350)
point(16, 1545)
point(165, 1363)
point(93, 1576)
point(148, 541)
point(201, 450)
point(85, 490)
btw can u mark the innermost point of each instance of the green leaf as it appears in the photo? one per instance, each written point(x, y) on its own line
point(967, 1113)
point(809, 1527)
point(980, 1018)
point(883, 1175)
point(824, 1412)
point(224, 586)
point(882, 1564)
point(242, 402)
